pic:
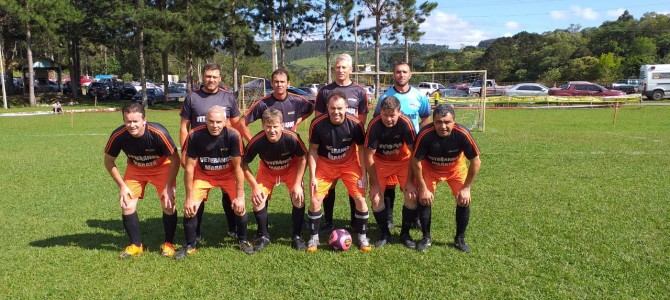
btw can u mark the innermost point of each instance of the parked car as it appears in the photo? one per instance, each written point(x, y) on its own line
point(99, 89)
point(176, 92)
point(630, 86)
point(428, 88)
point(583, 88)
point(45, 85)
point(492, 88)
point(153, 95)
point(655, 81)
point(527, 89)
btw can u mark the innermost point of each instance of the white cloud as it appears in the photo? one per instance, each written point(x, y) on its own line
point(584, 12)
point(615, 12)
point(448, 29)
point(508, 34)
point(512, 25)
point(558, 14)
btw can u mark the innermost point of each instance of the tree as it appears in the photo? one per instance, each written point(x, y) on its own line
point(336, 17)
point(406, 20)
point(379, 9)
point(609, 67)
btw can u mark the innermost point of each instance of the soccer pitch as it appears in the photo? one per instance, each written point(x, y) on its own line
point(567, 205)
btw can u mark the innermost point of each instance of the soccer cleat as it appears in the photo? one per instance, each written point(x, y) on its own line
point(132, 250)
point(459, 243)
point(327, 227)
point(261, 243)
point(364, 244)
point(246, 247)
point(167, 249)
point(184, 251)
point(381, 242)
point(407, 241)
point(298, 243)
point(424, 244)
point(313, 244)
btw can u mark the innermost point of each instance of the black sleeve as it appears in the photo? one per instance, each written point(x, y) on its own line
point(372, 137)
point(359, 134)
point(320, 104)
point(250, 152)
point(235, 144)
point(191, 146)
point(421, 148)
point(300, 150)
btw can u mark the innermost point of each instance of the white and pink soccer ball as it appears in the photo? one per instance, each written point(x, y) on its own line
point(340, 239)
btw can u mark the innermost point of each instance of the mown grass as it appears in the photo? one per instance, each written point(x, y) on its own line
point(567, 205)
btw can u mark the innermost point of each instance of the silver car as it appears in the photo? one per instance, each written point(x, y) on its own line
point(527, 89)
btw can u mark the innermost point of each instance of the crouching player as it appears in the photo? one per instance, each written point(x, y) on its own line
point(282, 154)
point(388, 145)
point(213, 157)
point(440, 154)
point(152, 158)
point(333, 154)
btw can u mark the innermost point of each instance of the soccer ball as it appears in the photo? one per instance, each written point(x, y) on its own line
point(340, 239)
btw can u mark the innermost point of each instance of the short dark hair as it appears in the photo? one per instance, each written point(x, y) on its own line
point(280, 71)
point(336, 94)
point(211, 66)
point(272, 114)
point(390, 102)
point(133, 107)
point(400, 64)
point(442, 110)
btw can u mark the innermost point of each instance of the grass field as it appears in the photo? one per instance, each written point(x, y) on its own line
point(567, 205)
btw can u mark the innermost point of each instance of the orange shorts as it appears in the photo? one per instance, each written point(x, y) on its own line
point(268, 178)
point(328, 172)
point(390, 173)
point(203, 183)
point(455, 178)
point(137, 178)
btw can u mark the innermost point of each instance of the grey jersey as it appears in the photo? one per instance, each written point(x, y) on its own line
point(196, 105)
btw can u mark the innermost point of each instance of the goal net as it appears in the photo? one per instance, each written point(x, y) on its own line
point(251, 89)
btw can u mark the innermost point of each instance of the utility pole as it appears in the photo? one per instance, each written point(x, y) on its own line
point(356, 47)
point(2, 75)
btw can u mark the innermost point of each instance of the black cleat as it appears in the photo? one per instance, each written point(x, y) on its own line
point(424, 244)
point(298, 243)
point(327, 228)
point(381, 243)
point(246, 247)
point(459, 243)
point(407, 241)
point(184, 251)
point(261, 243)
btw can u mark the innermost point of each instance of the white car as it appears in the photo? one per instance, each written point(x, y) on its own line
point(527, 89)
point(428, 88)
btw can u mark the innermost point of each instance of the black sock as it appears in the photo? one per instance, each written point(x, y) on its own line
point(389, 201)
point(241, 225)
point(132, 225)
point(462, 219)
point(298, 217)
point(314, 221)
point(169, 226)
point(262, 222)
point(190, 225)
point(199, 217)
point(360, 223)
point(352, 210)
point(329, 206)
point(382, 222)
point(228, 210)
point(408, 216)
point(425, 216)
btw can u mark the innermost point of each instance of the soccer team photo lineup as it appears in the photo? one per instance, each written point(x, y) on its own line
point(406, 143)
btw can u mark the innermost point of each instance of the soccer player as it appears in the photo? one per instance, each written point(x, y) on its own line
point(294, 108)
point(333, 154)
point(415, 106)
point(388, 145)
point(440, 154)
point(193, 114)
point(152, 158)
point(282, 154)
point(357, 105)
point(213, 159)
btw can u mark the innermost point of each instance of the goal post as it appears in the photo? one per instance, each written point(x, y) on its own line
point(251, 89)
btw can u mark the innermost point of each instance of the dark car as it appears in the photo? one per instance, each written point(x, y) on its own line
point(630, 86)
point(583, 88)
point(99, 89)
point(153, 95)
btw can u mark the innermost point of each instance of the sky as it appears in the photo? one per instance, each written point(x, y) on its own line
point(465, 23)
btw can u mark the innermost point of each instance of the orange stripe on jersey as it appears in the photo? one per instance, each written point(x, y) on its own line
point(253, 106)
point(372, 123)
point(239, 138)
point(163, 138)
point(421, 136)
point(409, 125)
point(297, 138)
point(356, 121)
point(315, 121)
point(254, 139)
point(468, 137)
point(114, 137)
point(194, 129)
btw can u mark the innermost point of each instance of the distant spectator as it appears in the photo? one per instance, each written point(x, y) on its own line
point(57, 108)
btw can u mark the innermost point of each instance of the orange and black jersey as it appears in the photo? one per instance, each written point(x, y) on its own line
point(213, 153)
point(336, 142)
point(275, 156)
point(149, 150)
point(292, 108)
point(444, 152)
point(391, 143)
point(199, 102)
point(357, 98)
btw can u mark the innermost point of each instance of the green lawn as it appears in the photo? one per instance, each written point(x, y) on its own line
point(567, 205)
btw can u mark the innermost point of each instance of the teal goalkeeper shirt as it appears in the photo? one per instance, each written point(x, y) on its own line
point(413, 104)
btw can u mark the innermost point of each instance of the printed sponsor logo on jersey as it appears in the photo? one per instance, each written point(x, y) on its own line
point(291, 113)
point(214, 163)
point(144, 160)
point(289, 125)
point(389, 149)
point(337, 153)
point(346, 139)
point(278, 164)
point(201, 119)
point(352, 110)
point(442, 161)
point(285, 153)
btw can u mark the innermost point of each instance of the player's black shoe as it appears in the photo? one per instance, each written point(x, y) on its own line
point(326, 228)
point(298, 243)
point(424, 244)
point(459, 243)
point(184, 251)
point(407, 242)
point(246, 247)
point(261, 243)
point(383, 240)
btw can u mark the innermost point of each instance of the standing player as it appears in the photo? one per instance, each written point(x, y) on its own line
point(152, 158)
point(388, 145)
point(294, 108)
point(282, 154)
point(414, 105)
point(193, 114)
point(357, 105)
point(333, 154)
point(440, 154)
point(213, 159)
